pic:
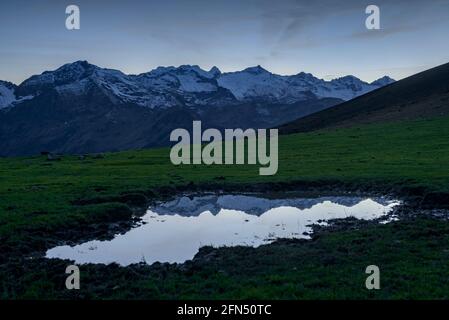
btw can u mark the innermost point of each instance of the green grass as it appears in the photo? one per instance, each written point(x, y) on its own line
point(35, 191)
point(38, 197)
point(412, 257)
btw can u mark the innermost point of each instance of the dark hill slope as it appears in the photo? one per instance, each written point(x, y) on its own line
point(422, 95)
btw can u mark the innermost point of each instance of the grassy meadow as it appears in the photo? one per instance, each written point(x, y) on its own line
point(43, 200)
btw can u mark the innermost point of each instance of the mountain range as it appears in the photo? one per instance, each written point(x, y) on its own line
point(80, 107)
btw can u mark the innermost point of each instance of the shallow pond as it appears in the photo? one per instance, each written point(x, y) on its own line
point(174, 231)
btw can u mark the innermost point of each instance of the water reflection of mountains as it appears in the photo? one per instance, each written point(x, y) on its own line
point(195, 205)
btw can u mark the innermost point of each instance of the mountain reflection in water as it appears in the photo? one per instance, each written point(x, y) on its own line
point(174, 231)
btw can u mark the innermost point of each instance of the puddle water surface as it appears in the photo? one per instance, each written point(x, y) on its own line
point(174, 231)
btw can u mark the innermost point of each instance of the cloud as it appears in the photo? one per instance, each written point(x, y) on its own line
point(382, 33)
point(291, 24)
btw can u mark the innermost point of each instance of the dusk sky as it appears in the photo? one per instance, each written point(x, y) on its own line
point(327, 38)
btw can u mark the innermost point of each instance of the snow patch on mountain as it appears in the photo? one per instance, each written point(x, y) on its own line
point(7, 95)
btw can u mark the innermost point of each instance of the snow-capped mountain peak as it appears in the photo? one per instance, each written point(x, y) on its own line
point(184, 69)
point(186, 78)
point(256, 70)
point(215, 71)
point(385, 80)
point(67, 73)
point(256, 83)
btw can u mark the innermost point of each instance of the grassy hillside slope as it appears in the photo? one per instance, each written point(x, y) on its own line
point(423, 95)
